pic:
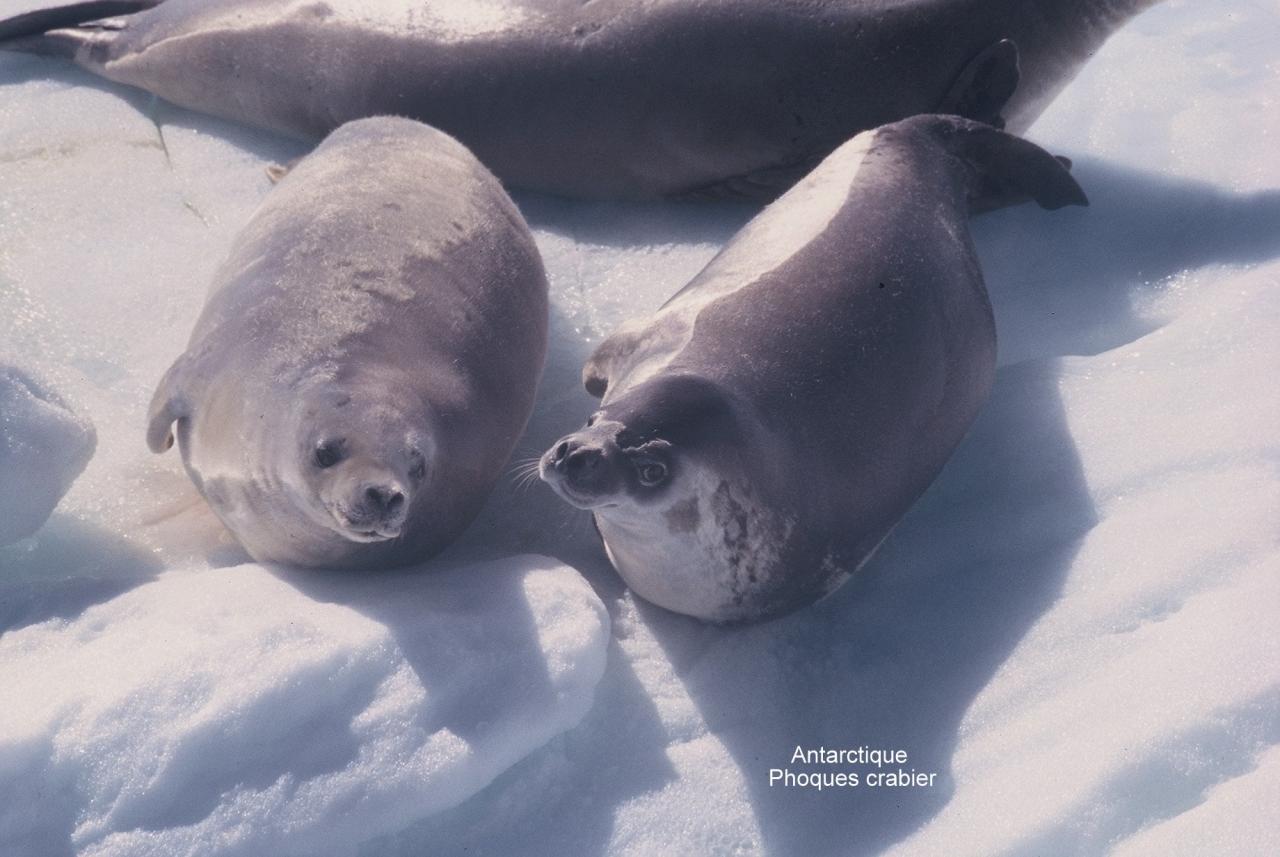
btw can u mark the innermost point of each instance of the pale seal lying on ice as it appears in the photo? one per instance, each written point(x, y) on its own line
point(368, 354)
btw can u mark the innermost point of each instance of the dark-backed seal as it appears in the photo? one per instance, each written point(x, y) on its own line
point(368, 354)
point(602, 99)
point(759, 436)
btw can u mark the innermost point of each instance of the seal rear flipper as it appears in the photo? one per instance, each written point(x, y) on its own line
point(168, 404)
point(1012, 170)
point(62, 30)
point(985, 85)
point(1002, 169)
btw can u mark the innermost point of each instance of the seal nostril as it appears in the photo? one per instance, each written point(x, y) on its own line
point(382, 499)
point(582, 460)
point(562, 449)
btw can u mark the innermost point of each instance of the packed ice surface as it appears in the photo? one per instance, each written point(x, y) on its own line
point(44, 445)
point(1074, 629)
point(249, 711)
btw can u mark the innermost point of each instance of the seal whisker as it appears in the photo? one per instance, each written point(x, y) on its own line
point(526, 478)
point(524, 467)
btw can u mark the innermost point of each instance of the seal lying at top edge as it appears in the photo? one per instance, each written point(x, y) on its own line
point(613, 98)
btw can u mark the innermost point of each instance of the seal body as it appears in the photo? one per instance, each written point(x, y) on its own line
point(367, 356)
point(760, 435)
point(611, 98)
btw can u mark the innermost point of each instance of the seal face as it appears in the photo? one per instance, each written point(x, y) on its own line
point(760, 435)
point(361, 456)
point(341, 402)
point(612, 98)
point(678, 481)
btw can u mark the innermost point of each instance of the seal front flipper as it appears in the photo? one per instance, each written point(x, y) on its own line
point(597, 369)
point(985, 85)
point(277, 172)
point(636, 345)
point(168, 404)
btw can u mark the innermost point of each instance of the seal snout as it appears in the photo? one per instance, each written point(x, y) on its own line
point(375, 510)
point(384, 500)
point(577, 461)
point(580, 468)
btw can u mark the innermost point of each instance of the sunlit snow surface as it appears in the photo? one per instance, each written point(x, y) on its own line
point(241, 711)
point(1076, 627)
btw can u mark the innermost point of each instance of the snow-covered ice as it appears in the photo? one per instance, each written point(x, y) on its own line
point(44, 445)
point(241, 711)
point(1075, 628)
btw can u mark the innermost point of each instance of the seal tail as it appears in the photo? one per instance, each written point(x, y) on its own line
point(62, 30)
point(1002, 169)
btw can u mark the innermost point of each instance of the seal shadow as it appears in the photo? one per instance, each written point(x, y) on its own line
point(895, 658)
point(1075, 283)
point(462, 697)
point(636, 224)
point(398, 598)
point(65, 568)
point(524, 517)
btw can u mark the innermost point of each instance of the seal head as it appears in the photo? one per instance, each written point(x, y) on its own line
point(359, 460)
point(342, 461)
point(677, 474)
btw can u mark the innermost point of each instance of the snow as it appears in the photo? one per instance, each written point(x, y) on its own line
point(44, 445)
point(1074, 628)
point(241, 711)
point(1227, 823)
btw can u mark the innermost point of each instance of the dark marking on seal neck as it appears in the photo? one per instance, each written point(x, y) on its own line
point(684, 517)
point(735, 521)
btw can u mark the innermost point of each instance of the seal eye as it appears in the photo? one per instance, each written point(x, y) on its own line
point(651, 473)
point(327, 454)
point(419, 468)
